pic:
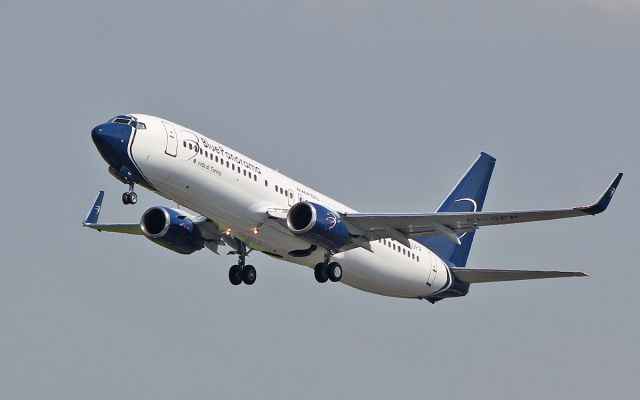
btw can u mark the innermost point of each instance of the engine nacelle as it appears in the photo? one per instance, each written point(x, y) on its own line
point(171, 229)
point(318, 225)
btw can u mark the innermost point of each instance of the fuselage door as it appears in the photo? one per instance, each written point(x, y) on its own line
point(291, 197)
point(433, 269)
point(172, 140)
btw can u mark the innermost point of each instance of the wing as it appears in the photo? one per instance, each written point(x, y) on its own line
point(474, 275)
point(451, 225)
point(91, 220)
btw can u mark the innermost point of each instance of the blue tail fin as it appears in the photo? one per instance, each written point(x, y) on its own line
point(467, 195)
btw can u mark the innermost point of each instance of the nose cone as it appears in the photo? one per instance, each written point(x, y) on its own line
point(111, 140)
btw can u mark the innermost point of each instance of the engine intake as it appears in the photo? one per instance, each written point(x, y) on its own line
point(318, 225)
point(171, 229)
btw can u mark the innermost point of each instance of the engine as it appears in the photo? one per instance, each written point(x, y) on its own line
point(318, 225)
point(171, 229)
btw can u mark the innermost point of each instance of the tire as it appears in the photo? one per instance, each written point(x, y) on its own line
point(234, 275)
point(133, 198)
point(248, 275)
point(334, 271)
point(125, 198)
point(320, 272)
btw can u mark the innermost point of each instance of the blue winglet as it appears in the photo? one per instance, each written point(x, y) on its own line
point(94, 212)
point(604, 200)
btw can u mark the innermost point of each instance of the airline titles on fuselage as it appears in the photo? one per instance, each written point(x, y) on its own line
point(220, 151)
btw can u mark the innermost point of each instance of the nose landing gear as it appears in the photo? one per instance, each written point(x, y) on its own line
point(129, 197)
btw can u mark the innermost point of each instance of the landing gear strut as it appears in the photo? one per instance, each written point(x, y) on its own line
point(240, 272)
point(327, 270)
point(129, 197)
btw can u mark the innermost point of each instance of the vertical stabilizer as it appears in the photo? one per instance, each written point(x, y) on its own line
point(467, 196)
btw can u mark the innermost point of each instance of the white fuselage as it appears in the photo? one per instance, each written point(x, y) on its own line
point(235, 192)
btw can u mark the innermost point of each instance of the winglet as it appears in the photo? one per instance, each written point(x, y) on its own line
point(604, 200)
point(94, 212)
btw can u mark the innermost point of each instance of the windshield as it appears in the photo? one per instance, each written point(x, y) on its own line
point(126, 120)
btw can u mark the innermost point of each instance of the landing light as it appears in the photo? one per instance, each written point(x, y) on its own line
point(228, 232)
point(256, 230)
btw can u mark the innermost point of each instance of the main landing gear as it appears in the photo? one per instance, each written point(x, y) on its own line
point(240, 272)
point(327, 270)
point(129, 197)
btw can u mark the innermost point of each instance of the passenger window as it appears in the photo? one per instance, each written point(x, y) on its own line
point(206, 154)
point(291, 195)
point(216, 158)
point(211, 156)
point(200, 150)
point(184, 144)
point(403, 251)
point(227, 164)
point(276, 188)
point(281, 191)
point(233, 167)
point(255, 178)
point(244, 172)
point(266, 183)
point(249, 175)
point(190, 146)
point(418, 258)
point(394, 246)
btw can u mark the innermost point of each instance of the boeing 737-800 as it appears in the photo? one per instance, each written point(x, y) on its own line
point(240, 203)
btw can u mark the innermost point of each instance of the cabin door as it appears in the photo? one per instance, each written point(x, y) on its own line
point(172, 140)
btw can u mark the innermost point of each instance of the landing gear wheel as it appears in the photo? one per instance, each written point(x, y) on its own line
point(129, 198)
point(235, 276)
point(334, 272)
point(320, 272)
point(248, 274)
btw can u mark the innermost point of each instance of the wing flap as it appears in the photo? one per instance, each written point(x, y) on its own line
point(476, 275)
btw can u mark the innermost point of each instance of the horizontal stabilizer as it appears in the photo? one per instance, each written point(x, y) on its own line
point(471, 275)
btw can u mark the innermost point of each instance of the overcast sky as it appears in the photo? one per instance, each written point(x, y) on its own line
point(381, 105)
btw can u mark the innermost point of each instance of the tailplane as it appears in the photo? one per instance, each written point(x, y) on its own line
point(467, 196)
point(476, 275)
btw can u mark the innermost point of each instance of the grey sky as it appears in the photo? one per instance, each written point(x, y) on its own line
point(381, 105)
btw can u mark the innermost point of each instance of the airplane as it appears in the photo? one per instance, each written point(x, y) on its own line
point(247, 206)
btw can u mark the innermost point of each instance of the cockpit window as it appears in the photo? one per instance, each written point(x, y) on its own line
point(125, 119)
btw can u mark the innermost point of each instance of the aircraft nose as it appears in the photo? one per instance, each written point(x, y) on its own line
point(111, 140)
point(97, 136)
